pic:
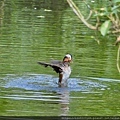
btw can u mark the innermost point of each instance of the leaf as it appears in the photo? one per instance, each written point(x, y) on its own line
point(105, 27)
point(115, 1)
point(115, 7)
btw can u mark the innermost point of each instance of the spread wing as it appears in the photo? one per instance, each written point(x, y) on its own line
point(56, 67)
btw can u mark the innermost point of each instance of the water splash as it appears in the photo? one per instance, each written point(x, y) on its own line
point(38, 82)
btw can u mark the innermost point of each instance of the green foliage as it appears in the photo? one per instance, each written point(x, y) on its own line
point(116, 1)
point(105, 27)
point(110, 14)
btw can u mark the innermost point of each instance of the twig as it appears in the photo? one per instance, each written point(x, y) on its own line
point(79, 14)
point(89, 16)
point(118, 55)
point(1, 7)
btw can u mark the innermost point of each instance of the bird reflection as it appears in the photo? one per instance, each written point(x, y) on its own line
point(64, 101)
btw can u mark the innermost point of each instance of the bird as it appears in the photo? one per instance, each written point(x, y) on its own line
point(61, 67)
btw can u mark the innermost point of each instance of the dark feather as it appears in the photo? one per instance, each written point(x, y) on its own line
point(44, 64)
point(56, 67)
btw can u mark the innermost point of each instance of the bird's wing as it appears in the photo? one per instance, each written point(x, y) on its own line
point(56, 67)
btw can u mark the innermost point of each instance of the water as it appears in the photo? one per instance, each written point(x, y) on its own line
point(45, 30)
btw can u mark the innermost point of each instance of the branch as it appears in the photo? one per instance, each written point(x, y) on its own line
point(116, 31)
point(89, 16)
point(2, 4)
point(118, 55)
point(80, 16)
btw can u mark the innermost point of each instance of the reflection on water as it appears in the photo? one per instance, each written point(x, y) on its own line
point(64, 103)
point(44, 88)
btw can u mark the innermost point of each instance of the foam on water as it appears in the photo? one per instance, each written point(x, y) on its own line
point(39, 82)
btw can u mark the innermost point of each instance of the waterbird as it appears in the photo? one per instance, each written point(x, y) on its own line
point(61, 67)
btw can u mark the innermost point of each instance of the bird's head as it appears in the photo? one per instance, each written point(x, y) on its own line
point(67, 58)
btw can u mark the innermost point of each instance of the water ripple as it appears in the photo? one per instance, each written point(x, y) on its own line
point(39, 82)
